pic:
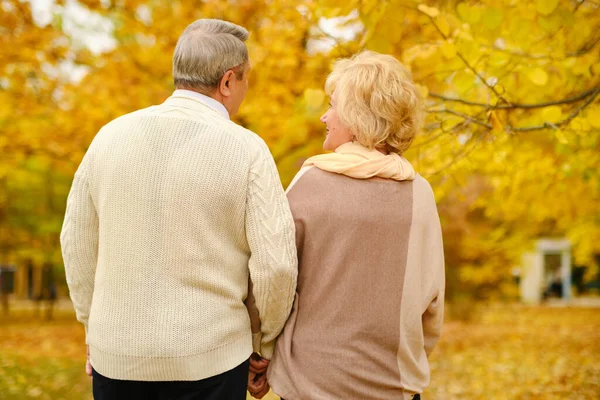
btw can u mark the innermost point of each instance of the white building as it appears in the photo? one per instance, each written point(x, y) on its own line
point(546, 268)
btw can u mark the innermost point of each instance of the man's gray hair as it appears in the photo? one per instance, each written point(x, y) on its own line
point(206, 49)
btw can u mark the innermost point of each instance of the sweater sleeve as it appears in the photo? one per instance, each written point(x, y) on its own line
point(79, 242)
point(273, 262)
point(254, 318)
point(433, 317)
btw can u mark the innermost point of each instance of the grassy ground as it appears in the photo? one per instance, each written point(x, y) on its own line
point(507, 352)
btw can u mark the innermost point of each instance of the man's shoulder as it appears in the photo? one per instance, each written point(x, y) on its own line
point(127, 118)
point(252, 139)
point(244, 136)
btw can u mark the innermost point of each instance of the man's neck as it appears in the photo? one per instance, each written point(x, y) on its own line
point(214, 94)
point(210, 99)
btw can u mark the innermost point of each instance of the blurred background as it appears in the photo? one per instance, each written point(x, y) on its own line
point(511, 146)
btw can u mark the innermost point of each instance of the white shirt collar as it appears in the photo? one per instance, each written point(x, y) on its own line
point(209, 101)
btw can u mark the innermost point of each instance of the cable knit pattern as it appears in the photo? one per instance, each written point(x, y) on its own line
point(264, 207)
point(172, 210)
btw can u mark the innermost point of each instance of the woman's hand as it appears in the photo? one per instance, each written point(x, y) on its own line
point(257, 376)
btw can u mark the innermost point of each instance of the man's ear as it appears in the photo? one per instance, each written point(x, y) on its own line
point(225, 83)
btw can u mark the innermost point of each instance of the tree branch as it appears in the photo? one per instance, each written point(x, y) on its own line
point(564, 122)
point(429, 140)
point(586, 48)
point(464, 154)
point(462, 115)
point(464, 60)
point(453, 129)
point(568, 100)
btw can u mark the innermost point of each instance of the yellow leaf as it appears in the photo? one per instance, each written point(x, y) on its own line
point(380, 44)
point(560, 135)
point(448, 50)
point(330, 12)
point(524, 31)
point(593, 116)
point(538, 76)
point(335, 8)
point(314, 98)
point(430, 11)
point(495, 121)
point(463, 81)
point(367, 6)
point(443, 24)
point(496, 124)
point(464, 35)
point(551, 23)
point(492, 18)
point(570, 62)
point(470, 14)
point(499, 59)
point(552, 114)
point(585, 125)
point(546, 7)
point(581, 68)
point(424, 90)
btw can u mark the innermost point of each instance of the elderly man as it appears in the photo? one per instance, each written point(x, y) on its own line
point(172, 210)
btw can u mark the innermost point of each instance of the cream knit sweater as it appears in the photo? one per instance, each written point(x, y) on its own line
point(171, 211)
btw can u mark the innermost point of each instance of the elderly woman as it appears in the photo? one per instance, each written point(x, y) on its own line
point(369, 303)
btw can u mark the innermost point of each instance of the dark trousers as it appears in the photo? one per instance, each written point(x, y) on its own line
point(230, 385)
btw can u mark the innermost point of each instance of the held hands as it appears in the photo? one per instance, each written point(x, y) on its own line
point(257, 377)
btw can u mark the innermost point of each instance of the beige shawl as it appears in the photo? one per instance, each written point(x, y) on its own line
point(356, 161)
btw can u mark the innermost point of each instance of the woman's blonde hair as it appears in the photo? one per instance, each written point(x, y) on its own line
point(377, 100)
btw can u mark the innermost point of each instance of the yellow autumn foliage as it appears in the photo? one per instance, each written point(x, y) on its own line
point(510, 144)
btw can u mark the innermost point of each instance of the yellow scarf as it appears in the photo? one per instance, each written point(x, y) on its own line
point(356, 161)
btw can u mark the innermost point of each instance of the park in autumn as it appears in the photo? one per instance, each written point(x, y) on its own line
point(510, 146)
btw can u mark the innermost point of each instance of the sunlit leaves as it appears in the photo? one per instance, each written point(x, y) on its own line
point(471, 14)
point(493, 17)
point(314, 98)
point(516, 352)
point(546, 7)
point(494, 58)
point(538, 76)
point(430, 11)
point(593, 116)
point(552, 113)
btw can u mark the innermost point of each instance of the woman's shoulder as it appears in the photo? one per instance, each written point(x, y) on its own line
point(423, 196)
point(422, 184)
point(297, 177)
point(313, 179)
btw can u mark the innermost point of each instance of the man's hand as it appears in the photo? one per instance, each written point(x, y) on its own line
point(88, 365)
point(258, 364)
point(257, 377)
